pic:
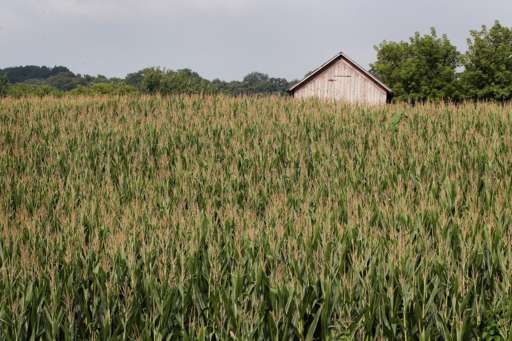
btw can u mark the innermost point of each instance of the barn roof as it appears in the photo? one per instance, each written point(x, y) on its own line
point(333, 60)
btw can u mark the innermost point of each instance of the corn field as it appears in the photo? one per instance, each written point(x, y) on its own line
point(210, 217)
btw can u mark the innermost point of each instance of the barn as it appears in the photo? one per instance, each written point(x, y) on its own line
point(342, 79)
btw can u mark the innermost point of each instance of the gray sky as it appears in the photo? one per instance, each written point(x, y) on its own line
point(223, 38)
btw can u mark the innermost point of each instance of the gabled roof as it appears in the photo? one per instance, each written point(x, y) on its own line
point(333, 60)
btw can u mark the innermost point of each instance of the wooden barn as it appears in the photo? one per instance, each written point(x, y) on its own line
point(342, 79)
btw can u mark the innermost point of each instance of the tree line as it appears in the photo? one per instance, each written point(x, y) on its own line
point(41, 81)
point(424, 68)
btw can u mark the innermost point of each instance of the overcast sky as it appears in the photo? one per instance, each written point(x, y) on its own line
point(223, 38)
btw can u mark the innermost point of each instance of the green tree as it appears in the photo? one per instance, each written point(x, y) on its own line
point(29, 90)
point(3, 85)
point(253, 84)
point(185, 81)
point(488, 64)
point(107, 88)
point(152, 80)
point(173, 82)
point(135, 79)
point(19, 74)
point(423, 68)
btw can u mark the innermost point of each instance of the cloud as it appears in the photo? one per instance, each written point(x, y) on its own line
point(222, 38)
point(9, 21)
point(115, 9)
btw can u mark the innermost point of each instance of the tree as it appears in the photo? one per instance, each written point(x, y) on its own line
point(135, 79)
point(21, 74)
point(253, 84)
point(38, 80)
point(424, 68)
point(3, 85)
point(118, 88)
point(185, 81)
point(173, 82)
point(152, 80)
point(488, 64)
point(65, 81)
point(24, 90)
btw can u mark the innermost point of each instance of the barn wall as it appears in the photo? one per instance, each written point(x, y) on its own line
point(343, 82)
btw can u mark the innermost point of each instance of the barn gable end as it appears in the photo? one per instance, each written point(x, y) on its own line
point(344, 80)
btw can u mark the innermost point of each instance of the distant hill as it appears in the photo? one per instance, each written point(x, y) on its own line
point(19, 74)
point(58, 77)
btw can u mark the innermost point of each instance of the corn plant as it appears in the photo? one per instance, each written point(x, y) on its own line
point(211, 217)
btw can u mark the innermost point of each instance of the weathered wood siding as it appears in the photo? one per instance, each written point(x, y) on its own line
point(343, 82)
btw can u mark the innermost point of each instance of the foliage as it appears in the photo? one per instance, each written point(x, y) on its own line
point(58, 77)
point(174, 82)
point(20, 74)
point(155, 80)
point(3, 85)
point(135, 79)
point(252, 84)
point(66, 81)
point(424, 68)
point(210, 217)
point(27, 90)
point(146, 81)
point(107, 88)
point(488, 64)
point(186, 81)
